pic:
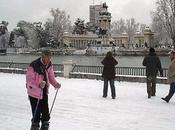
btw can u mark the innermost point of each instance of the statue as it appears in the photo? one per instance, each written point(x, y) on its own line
point(105, 6)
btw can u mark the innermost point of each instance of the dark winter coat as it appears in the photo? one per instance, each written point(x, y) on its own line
point(109, 68)
point(153, 65)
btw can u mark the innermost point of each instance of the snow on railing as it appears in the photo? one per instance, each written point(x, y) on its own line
point(12, 67)
point(132, 71)
point(82, 71)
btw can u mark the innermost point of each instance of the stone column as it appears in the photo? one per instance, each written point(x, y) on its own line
point(68, 65)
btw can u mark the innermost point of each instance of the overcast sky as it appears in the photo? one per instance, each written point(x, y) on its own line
point(38, 10)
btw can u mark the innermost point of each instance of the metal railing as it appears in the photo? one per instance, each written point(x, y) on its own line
point(88, 69)
point(58, 68)
point(135, 71)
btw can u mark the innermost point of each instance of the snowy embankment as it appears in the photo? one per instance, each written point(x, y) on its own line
point(80, 106)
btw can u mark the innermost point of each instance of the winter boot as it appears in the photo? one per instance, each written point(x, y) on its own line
point(45, 125)
point(35, 126)
point(165, 100)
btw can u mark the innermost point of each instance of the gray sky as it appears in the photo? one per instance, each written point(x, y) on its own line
point(38, 10)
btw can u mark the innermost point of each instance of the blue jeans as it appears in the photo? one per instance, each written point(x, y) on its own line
point(105, 89)
point(171, 91)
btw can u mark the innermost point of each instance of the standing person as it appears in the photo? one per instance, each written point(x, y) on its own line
point(108, 74)
point(171, 77)
point(153, 64)
point(38, 78)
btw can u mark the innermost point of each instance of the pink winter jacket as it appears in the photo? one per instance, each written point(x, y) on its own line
point(33, 80)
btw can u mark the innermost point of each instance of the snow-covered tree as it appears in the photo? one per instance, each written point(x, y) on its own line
point(42, 34)
point(4, 36)
point(3, 27)
point(57, 25)
point(79, 27)
point(34, 33)
point(28, 31)
point(160, 34)
point(165, 12)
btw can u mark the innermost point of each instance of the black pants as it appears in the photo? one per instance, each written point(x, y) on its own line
point(151, 85)
point(105, 89)
point(42, 112)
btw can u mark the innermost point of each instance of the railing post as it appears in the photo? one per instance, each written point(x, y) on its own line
point(68, 65)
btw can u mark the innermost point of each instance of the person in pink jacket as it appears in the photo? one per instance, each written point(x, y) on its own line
point(39, 76)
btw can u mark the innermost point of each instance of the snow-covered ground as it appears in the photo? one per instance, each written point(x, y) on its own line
point(80, 106)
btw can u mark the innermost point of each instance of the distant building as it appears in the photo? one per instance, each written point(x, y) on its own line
point(82, 41)
point(94, 11)
point(144, 40)
point(100, 16)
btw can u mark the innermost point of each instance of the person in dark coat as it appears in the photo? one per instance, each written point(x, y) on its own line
point(153, 65)
point(108, 74)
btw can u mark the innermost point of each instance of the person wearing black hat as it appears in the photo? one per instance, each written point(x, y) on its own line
point(153, 65)
point(171, 77)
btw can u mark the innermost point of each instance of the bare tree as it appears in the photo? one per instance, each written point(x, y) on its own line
point(58, 25)
point(118, 27)
point(142, 28)
point(166, 13)
point(160, 34)
point(131, 27)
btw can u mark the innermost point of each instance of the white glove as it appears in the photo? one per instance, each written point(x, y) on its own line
point(58, 86)
point(42, 84)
